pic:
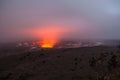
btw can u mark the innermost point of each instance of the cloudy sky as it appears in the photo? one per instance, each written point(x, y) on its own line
point(88, 18)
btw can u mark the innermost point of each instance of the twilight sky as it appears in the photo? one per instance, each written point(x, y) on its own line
point(87, 18)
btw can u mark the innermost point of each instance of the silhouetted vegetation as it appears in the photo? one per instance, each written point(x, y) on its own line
point(112, 63)
point(92, 62)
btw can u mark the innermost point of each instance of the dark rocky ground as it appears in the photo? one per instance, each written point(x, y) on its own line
point(89, 63)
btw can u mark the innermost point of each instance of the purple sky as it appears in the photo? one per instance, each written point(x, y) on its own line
point(89, 18)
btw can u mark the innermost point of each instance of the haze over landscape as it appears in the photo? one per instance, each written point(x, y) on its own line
point(94, 19)
point(59, 40)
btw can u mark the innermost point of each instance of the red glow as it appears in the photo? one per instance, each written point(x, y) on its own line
point(46, 44)
point(50, 35)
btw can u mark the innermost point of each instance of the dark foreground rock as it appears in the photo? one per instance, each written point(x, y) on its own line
point(95, 63)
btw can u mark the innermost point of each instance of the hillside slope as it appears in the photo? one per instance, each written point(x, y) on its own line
point(95, 63)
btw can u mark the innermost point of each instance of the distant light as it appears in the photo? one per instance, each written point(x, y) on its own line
point(50, 34)
point(47, 45)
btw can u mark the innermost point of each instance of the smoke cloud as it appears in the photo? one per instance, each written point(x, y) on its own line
point(25, 19)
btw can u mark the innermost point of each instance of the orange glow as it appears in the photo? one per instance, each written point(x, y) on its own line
point(47, 44)
point(49, 35)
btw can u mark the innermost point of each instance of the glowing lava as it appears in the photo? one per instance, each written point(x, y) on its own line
point(46, 44)
point(50, 35)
